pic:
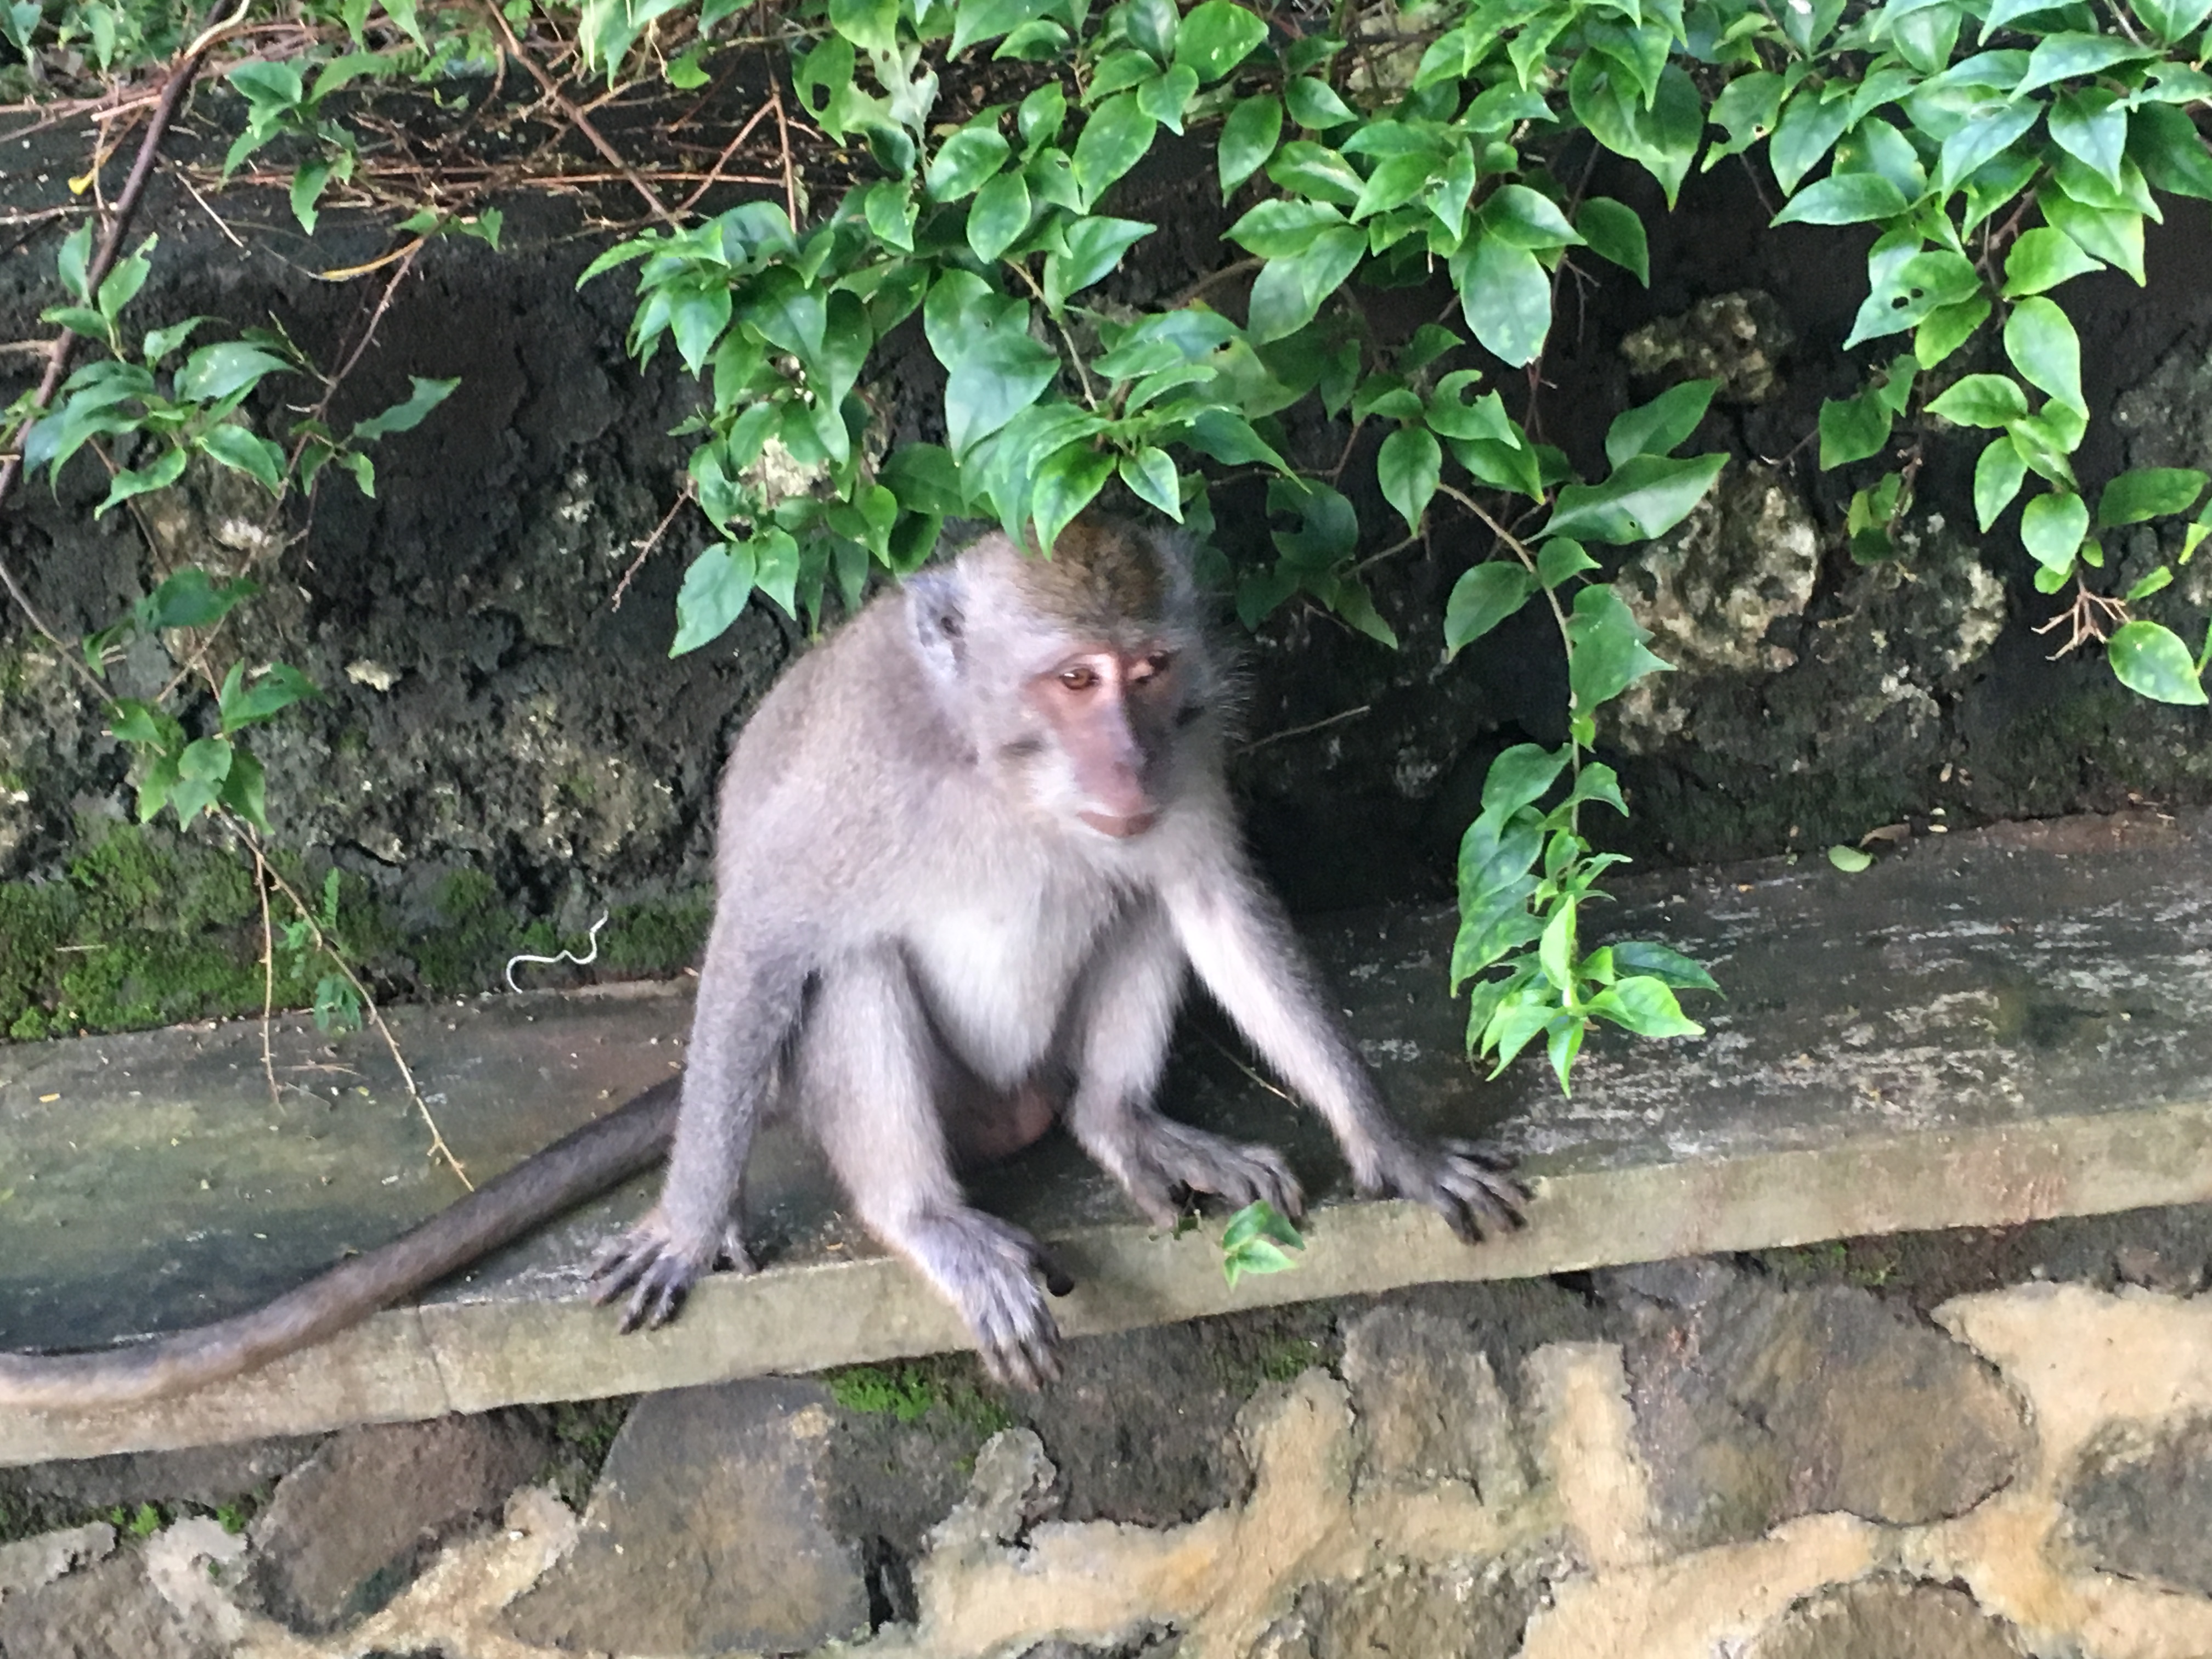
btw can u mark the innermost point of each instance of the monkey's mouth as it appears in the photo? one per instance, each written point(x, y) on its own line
point(1121, 828)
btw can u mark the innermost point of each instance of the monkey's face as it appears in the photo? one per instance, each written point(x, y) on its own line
point(1110, 713)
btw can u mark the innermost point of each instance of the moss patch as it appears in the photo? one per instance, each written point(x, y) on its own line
point(909, 1392)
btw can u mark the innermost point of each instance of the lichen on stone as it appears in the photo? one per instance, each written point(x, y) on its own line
point(1739, 339)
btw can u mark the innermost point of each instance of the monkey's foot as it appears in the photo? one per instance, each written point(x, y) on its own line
point(988, 1271)
point(658, 1272)
point(1159, 1162)
point(1471, 1186)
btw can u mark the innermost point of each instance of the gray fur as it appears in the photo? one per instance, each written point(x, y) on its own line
point(915, 931)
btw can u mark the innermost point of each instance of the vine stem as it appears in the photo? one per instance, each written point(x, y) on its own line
point(1520, 550)
point(65, 344)
point(578, 119)
point(439, 1148)
point(1090, 392)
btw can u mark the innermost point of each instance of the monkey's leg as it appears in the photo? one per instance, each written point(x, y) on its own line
point(1244, 950)
point(868, 1071)
point(1121, 1035)
point(747, 1005)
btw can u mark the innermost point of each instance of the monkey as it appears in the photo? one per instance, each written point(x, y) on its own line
point(970, 850)
point(968, 855)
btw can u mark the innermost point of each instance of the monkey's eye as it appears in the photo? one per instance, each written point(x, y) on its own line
point(1077, 677)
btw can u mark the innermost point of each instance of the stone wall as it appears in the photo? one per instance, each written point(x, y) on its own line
point(1955, 1446)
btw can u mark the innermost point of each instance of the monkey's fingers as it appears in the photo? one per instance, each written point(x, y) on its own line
point(1514, 1191)
point(1475, 1200)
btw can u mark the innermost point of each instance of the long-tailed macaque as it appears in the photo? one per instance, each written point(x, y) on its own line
point(969, 850)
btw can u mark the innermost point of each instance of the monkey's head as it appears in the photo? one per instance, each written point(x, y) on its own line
point(1077, 677)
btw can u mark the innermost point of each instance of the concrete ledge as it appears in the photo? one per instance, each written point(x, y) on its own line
point(1985, 1030)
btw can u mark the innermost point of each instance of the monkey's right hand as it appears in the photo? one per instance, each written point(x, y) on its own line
point(1471, 1186)
point(658, 1272)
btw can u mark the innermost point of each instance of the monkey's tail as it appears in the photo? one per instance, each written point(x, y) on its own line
point(633, 1137)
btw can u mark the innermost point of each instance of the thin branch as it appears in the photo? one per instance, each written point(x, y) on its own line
point(1089, 392)
point(582, 121)
point(1213, 279)
point(645, 548)
point(714, 173)
point(64, 345)
point(783, 143)
point(439, 1149)
point(1307, 730)
point(268, 977)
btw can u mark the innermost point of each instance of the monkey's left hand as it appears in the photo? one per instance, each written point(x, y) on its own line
point(1473, 1187)
point(659, 1272)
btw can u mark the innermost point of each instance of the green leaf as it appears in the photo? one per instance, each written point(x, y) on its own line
point(2066, 55)
point(214, 372)
point(715, 589)
point(188, 599)
point(2170, 19)
point(277, 690)
point(2090, 124)
point(1521, 776)
point(2041, 259)
point(963, 161)
point(424, 395)
point(1215, 37)
point(1997, 478)
point(871, 25)
point(1068, 482)
point(2152, 661)
point(925, 480)
point(1844, 198)
point(160, 476)
point(1408, 468)
point(1659, 426)
point(1000, 215)
point(1942, 332)
point(1151, 476)
point(1646, 496)
point(1992, 130)
point(247, 452)
point(1113, 141)
point(2052, 527)
point(2117, 238)
point(1644, 1005)
point(1608, 654)
point(1907, 290)
point(1520, 217)
point(2148, 492)
point(1983, 400)
point(1164, 97)
point(1506, 296)
point(73, 260)
point(1615, 232)
point(1247, 137)
point(1807, 131)
point(2165, 144)
point(1486, 418)
point(1849, 859)
point(307, 186)
point(1317, 170)
point(2044, 348)
point(1397, 181)
point(976, 20)
point(1659, 962)
point(1258, 1221)
point(1288, 292)
point(1483, 598)
point(1314, 104)
point(1561, 558)
point(2157, 582)
point(1094, 247)
point(1281, 228)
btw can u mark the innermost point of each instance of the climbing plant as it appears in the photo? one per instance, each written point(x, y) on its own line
point(1997, 150)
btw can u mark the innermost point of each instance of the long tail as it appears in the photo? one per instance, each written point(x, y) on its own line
point(579, 1166)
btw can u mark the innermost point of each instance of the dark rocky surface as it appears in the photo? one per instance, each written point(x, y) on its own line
point(2140, 1503)
point(1886, 1618)
point(347, 1530)
point(709, 1531)
point(1754, 1406)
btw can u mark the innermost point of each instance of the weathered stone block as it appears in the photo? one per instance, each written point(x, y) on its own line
point(113, 1611)
point(1755, 1405)
point(1429, 1405)
point(1448, 1610)
point(2139, 1502)
point(708, 1533)
point(1885, 1618)
point(349, 1529)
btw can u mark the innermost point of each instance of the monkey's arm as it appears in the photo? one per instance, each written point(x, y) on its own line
point(577, 1167)
point(1241, 945)
point(751, 987)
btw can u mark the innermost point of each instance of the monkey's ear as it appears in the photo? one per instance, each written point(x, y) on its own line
point(936, 609)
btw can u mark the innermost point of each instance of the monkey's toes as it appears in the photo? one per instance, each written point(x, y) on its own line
point(1477, 1192)
point(1238, 1174)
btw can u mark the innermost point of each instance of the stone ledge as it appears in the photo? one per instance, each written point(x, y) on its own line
point(1986, 1029)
